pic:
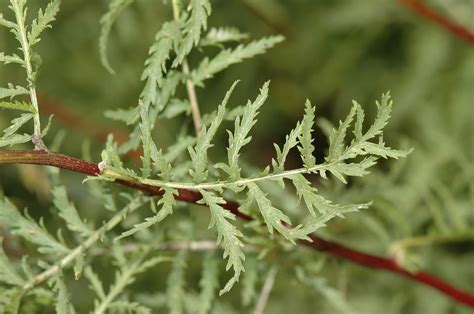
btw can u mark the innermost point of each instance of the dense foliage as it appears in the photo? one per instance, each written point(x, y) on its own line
point(163, 77)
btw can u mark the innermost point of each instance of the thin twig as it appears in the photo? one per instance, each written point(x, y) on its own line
point(317, 243)
point(267, 288)
point(93, 238)
point(424, 11)
point(192, 99)
point(190, 88)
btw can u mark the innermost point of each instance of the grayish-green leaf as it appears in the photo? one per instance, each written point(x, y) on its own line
point(227, 234)
point(198, 153)
point(43, 21)
point(27, 228)
point(208, 68)
point(306, 139)
point(12, 91)
point(240, 137)
point(218, 36)
point(8, 273)
point(175, 285)
point(155, 63)
point(17, 105)
point(209, 282)
point(167, 203)
point(196, 23)
point(68, 212)
point(107, 21)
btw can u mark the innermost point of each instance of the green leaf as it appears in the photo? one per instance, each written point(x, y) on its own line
point(175, 285)
point(6, 59)
point(63, 303)
point(155, 66)
point(384, 109)
point(209, 283)
point(128, 270)
point(125, 115)
point(68, 212)
point(43, 21)
point(240, 138)
point(95, 283)
point(333, 296)
point(336, 140)
point(290, 142)
point(17, 105)
point(17, 124)
point(273, 217)
point(12, 91)
point(196, 23)
point(27, 228)
point(306, 149)
point(15, 139)
point(8, 274)
point(146, 139)
point(228, 234)
point(218, 36)
point(208, 68)
point(107, 21)
point(198, 153)
point(167, 203)
point(249, 281)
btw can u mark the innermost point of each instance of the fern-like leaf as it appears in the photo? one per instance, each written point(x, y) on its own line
point(12, 91)
point(17, 105)
point(219, 36)
point(228, 234)
point(8, 274)
point(167, 203)
point(43, 21)
point(107, 21)
point(306, 139)
point(27, 228)
point(175, 285)
point(208, 68)
point(209, 282)
point(196, 23)
point(199, 152)
point(240, 137)
point(155, 63)
point(68, 212)
point(273, 217)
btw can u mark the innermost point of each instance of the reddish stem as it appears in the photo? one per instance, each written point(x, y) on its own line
point(320, 244)
point(419, 8)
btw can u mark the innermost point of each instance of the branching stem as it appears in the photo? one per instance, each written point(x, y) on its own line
point(93, 238)
point(25, 47)
point(317, 243)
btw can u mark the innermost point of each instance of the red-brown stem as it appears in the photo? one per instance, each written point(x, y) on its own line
point(419, 8)
point(317, 243)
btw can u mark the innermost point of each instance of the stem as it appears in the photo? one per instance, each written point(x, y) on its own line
point(424, 11)
point(428, 240)
point(190, 88)
point(316, 243)
point(93, 238)
point(25, 47)
point(240, 182)
point(266, 290)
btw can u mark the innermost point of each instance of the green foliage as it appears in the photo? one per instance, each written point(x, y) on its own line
point(107, 21)
point(208, 68)
point(228, 235)
point(192, 28)
point(100, 227)
point(28, 229)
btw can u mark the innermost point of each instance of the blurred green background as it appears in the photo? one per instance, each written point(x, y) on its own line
point(334, 51)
